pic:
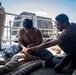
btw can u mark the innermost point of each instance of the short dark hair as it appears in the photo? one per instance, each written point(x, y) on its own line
point(62, 18)
point(27, 23)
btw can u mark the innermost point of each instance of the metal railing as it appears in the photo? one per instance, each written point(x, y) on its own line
point(17, 28)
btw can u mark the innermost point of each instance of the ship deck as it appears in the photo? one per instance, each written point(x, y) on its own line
point(43, 71)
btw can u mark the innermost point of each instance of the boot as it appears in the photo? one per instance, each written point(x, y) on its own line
point(53, 61)
point(63, 63)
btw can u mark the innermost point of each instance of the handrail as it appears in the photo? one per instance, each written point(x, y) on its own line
point(17, 28)
point(28, 16)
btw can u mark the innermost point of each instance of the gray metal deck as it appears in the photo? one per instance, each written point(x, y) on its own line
point(50, 71)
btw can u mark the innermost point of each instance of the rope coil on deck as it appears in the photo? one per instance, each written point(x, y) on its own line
point(27, 68)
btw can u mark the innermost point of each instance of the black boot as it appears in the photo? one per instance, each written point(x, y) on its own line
point(54, 61)
point(64, 62)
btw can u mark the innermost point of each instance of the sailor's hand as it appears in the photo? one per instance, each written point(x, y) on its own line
point(29, 50)
point(25, 51)
point(24, 48)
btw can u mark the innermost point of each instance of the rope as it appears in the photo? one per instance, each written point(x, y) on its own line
point(27, 68)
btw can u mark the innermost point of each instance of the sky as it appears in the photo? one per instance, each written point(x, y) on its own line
point(45, 8)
